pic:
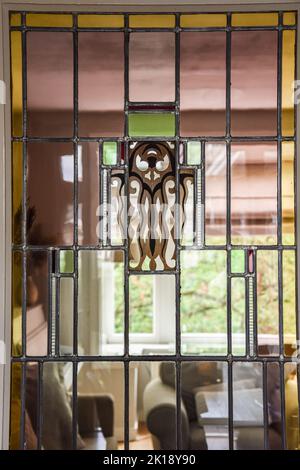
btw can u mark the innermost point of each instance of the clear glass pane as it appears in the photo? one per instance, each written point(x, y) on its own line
point(238, 315)
point(154, 125)
point(101, 316)
point(288, 193)
point(274, 406)
point(50, 84)
point(17, 189)
point(203, 302)
point(215, 194)
point(100, 405)
point(145, 84)
point(187, 201)
point(254, 83)
point(152, 405)
point(289, 301)
point(17, 302)
point(288, 78)
point(202, 84)
point(50, 172)
point(101, 83)
point(254, 194)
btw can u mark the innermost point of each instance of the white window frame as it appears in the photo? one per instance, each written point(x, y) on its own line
point(5, 132)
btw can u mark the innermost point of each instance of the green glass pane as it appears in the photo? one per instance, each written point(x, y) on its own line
point(66, 261)
point(151, 124)
point(110, 151)
point(194, 153)
point(237, 261)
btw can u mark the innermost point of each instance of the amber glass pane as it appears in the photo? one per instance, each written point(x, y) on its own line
point(254, 83)
point(238, 315)
point(17, 187)
point(215, 194)
point(50, 83)
point(101, 83)
point(254, 194)
point(267, 302)
point(16, 83)
point(202, 83)
point(151, 21)
point(288, 193)
point(50, 172)
point(15, 406)
point(203, 301)
point(289, 300)
point(291, 406)
point(17, 296)
point(254, 19)
point(100, 21)
point(288, 77)
point(152, 80)
point(88, 193)
point(289, 18)
point(203, 21)
point(15, 19)
point(48, 19)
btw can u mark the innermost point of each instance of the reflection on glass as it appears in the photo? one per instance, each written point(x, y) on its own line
point(66, 307)
point(238, 315)
point(248, 406)
point(49, 19)
point(100, 21)
point(202, 83)
point(101, 83)
point(100, 405)
point(17, 188)
point(237, 261)
point(203, 302)
point(152, 314)
point(88, 193)
point(151, 21)
point(16, 83)
point(37, 303)
point(151, 124)
point(31, 406)
point(118, 213)
point(288, 77)
point(187, 202)
point(215, 194)
point(210, 20)
point(267, 302)
point(254, 194)
point(50, 171)
point(50, 84)
point(152, 80)
point(288, 193)
point(289, 301)
point(254, 83)
point(291, 406)
point(254, 19)
point(152, 406)
point(274, 406)
point(100, 316)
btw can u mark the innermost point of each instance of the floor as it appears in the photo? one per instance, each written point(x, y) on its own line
point(143, 440)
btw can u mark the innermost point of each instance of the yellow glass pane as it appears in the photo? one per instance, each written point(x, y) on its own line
point(16, 303)
point(15, 19)
point(289, 300)
point(45, 20)
point(254, 19)
point(289, 18)
point(16, 82)
point(15, 406)
point(17, 185)
point(288, 197)
point(291, 407)
point(100, 21)
point(288, 77)
point(204, 20)
point(152, 21)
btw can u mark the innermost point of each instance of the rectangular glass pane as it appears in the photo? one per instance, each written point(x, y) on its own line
point(288, 77)
point(101, 83)
point(101, 317)
point(149, 297)
point(254, 83)
point(152, 405)
point(288, 193)
point(254, 19)
point(154, 125)
point(248, 406)
point(267, 302)
point(273, 387)
point(16, 83)
point(151, 21)
point(237, 261)
point(50, 84)
point(16, 298)
point(100, 405)
point(100, 21)
point(204, 397)
point(193, 153)
point(15, 406)
point(202, 84)
point(203, 20)
point(187, 202)
point(254, 194)
point(15, 19)
point(50, 171)
point(289, 300)
point(66, 261)
point(17, 189)
point(145, 83)
point(291, 406)
point(238, 315)
point(110, 153)
point(289, 18)
point(66, 315)
point(203, 302)
point(117, 222)
point(215, 194)
point(48, 19)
